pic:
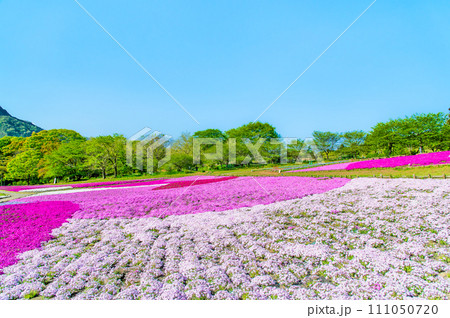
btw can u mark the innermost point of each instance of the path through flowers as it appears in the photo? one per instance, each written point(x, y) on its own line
point(24, 226)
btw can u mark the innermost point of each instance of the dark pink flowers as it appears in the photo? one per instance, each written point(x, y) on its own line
point(425, 159)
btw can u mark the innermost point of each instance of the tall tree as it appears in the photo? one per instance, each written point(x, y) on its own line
point(293, 149)
point(182, 153)
point(47, 141)
point(211, 133)
point(9, 148)
point(445, 138)
point(183, 144)
point(116, 153)
point(4, 142)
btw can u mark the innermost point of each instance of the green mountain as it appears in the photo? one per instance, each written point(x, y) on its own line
point(12, 126)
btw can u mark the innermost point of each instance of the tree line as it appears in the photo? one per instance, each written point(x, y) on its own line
point(68, 156)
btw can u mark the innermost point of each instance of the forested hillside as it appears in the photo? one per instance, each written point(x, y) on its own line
point(14, 127)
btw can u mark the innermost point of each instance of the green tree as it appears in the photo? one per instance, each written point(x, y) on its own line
point(352, 143)
point(385, 137)
point(211, 133)
point(293, 149)
point(24, 166)
point(182, 153)
point(423, 130)
point(408, 135)
point(69, 160)
point(9, 148)
point(183, 144)
point(256, 133)
point(117, 153)
point(181, 161)
point(211, 148)
point(97, 155)
point(4, 142)
point(445, 138)
point(47, 141)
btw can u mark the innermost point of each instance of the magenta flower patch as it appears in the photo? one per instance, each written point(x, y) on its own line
point(174, 200)
point(426, 159)
point(367, 240)
point(24, 226)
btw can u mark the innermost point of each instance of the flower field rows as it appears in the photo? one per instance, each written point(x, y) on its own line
point(218, 194)
point(368, 239)
point(427, 159)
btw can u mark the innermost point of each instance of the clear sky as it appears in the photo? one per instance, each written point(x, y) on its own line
point(225, 61)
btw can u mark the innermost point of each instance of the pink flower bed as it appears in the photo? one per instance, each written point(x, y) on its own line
point(426, 159)
point(217, 196)
point(24, 226)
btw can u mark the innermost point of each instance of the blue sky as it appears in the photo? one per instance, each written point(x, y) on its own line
point(225, 61)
